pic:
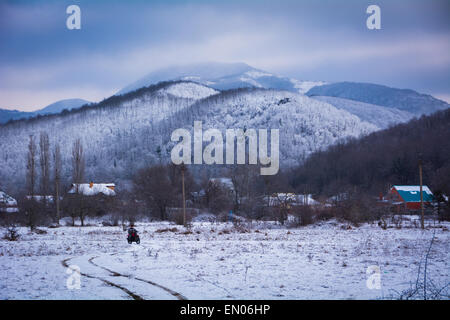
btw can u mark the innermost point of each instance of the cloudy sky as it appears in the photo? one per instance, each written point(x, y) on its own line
point(41, 61)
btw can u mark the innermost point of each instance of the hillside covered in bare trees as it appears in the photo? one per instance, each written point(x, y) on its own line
point(382, 159)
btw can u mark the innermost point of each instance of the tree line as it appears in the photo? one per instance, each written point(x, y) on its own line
point(44, 200)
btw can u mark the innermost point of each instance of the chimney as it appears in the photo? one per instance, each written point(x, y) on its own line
point(91, 184)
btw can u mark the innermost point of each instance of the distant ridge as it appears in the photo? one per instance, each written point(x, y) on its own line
point(402, 99)
point(56, 107)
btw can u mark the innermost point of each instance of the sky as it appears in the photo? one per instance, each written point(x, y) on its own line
point(42, 61)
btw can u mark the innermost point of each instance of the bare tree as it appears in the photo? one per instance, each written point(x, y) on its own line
point(220, 198)
point(31, 167)
point(284, 202)
point(44, 162)
point(245, 184)
point(57, 179)
point(29, 207)
point(153, 185)
point(78, 166)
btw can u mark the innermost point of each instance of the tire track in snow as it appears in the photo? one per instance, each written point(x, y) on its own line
point(177, 295)
point(112, 284)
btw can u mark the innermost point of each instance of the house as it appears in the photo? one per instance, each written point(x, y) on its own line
point(92, 189)
point(7, 203)
point(290, 199)
point(334, 200)
point(408, 197)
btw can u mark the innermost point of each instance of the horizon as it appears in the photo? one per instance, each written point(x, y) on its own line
point(445, 98)
point(43, 62)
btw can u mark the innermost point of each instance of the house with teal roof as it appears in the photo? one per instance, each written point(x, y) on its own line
point(409, 196)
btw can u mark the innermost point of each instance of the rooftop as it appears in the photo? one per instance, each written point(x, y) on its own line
point(412, 193)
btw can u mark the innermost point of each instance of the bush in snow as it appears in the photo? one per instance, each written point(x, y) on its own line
point(11, 233)
point(303, 215)
point(176, 215)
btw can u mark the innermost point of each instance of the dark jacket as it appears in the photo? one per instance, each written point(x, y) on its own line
point(131, 231)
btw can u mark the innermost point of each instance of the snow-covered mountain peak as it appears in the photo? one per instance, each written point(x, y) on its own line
point(223, 76)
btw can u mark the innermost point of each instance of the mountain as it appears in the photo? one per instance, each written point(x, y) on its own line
point(6, 115)
point(306, 125)
point(223, 76)
point(403, 103)
point(59, 106)
point(119, 134)
point(56, 107)
point(124, 133)
point(380, 116)
point(401, 99)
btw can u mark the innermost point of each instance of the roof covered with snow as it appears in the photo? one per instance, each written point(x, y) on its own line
point(6, 200)
point(412, 193)
point(88, 189)
point(291, 198)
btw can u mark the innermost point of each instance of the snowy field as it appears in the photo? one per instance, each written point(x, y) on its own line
point(217, 261)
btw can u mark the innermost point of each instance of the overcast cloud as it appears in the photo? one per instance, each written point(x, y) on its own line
point(41, 61)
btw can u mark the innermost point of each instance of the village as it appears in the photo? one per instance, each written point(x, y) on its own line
point(219, 200)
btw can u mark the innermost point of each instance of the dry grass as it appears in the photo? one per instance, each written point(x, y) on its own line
point(167, 230)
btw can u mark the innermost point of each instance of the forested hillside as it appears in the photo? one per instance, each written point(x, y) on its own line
point(125, 133)
point(118, 134)
point(382, 159)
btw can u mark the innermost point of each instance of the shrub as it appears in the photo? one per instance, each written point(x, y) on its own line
point(304, 215)
point(382, 224)
point(444, 211)
point(11, 234)
point(240, 226)
point(325, 213)
point(40, 231)
point(166, 230)
point(177, 216)
point(357, 210)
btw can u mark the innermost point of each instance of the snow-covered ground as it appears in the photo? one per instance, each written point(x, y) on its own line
point(189, 90)
point(217, 261)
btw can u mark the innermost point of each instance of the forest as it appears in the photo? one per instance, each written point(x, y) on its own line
point(382, 159)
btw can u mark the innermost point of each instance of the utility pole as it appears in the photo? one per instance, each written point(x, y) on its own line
point(422, 222)
point(183, 169)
